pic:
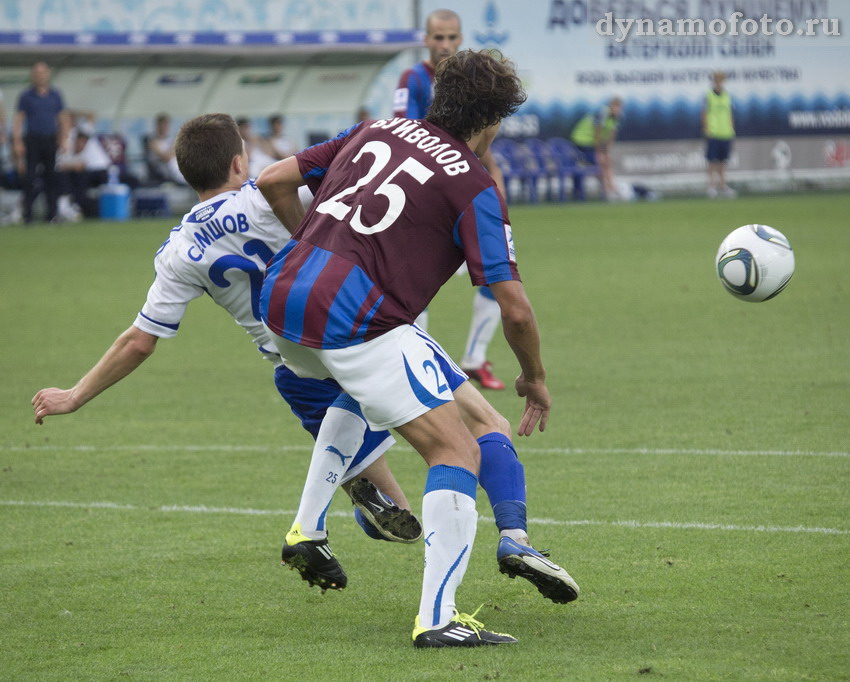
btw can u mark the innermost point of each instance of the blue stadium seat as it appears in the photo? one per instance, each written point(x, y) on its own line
point(548, 165)
point(572, 164)
point(518, 162)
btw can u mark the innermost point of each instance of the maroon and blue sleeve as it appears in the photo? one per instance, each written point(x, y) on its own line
point(484, 234)
point(413, 93)
point(419, 98)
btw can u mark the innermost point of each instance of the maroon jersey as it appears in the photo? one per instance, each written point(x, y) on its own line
point(399, 205)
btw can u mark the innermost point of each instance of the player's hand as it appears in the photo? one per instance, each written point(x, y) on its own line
point(52, 401)
point(537, 405)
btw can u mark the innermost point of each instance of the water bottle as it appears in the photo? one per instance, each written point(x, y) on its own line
point(114, 197)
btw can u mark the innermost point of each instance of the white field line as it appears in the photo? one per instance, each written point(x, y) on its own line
point(185, 509)
point(404, 448)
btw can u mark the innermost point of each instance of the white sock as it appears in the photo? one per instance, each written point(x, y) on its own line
point(341, 432)
point(449, 521)
point(517, 535)
point(486, 317)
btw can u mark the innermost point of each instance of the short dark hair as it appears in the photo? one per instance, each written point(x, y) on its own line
point(205, 147)
point(473, 91)
point(441, 15)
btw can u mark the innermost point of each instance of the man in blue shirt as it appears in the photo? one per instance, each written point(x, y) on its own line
point(42, 111)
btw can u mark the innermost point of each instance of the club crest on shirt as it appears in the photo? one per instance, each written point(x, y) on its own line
point(400, 97)
point(204, 213)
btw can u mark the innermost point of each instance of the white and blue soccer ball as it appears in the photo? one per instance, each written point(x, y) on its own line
point(755, 263)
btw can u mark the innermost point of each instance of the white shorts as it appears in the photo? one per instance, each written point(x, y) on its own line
point(396, 377)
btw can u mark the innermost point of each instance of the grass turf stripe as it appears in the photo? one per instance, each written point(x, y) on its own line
point(203, 509)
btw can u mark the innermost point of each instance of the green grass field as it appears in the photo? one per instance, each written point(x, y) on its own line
point(694, 478)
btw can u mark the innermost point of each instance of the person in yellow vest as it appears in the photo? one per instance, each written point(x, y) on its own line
point(718, 126)
point(594, 135)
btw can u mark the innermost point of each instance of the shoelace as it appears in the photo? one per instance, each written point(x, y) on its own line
point(469, 620)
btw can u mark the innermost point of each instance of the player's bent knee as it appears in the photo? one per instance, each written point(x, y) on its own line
point(488, 420)
point(501, 425)
point(479, 416)
point(441, 437)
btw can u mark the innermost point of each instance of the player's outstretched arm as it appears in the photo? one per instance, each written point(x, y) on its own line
point(279, 184)
point(128, 351)
point(520, 327)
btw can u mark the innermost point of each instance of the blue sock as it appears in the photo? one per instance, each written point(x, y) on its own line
point(503, 478)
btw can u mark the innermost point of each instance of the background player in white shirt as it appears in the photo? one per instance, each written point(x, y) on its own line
point(221, 248)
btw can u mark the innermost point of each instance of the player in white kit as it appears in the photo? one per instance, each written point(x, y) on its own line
point(221, 248)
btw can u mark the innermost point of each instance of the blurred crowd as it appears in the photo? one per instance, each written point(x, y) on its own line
point(62, 155)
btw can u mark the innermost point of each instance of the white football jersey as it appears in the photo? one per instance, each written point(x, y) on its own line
point(220, 248)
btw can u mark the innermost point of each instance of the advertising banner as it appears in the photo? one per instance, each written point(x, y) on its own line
point(168, 16)
point(784, 62)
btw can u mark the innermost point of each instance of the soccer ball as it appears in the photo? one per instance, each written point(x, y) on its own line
point(755, 262)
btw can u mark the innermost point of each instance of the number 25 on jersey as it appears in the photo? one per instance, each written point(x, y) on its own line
point(395, 195)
